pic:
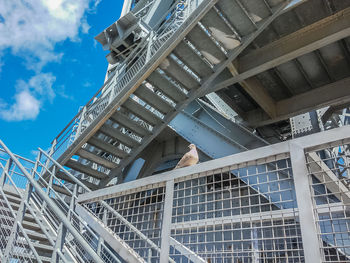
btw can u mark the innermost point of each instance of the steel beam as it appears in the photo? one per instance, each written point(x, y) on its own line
point(274, 152)
point(303, 41)
point(305, 206)
point(258, 92)
point(329, 95)
point(53, 206)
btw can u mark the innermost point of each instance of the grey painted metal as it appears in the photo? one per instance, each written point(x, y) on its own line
point(278, 150)
point(139, 71)
point(115, 241)
point(305, 204)
point(36, 215)
point(307, 39)
point(158, 9)
point(166, 224)
point(14, 232)
point(18, 220)
point(52, 205)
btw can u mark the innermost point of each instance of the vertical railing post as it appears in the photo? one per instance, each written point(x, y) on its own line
point(82, 117)
point(62, 230)
point(5, 172)
point(149, 47)
point(166, 224)
point(307, 220)
point(100, 239)
point(18, 220)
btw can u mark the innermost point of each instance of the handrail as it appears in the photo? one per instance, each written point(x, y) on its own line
point(262, 154)
point(129, 74)
point(54, 207)
point(107, 206)
point(93, 97)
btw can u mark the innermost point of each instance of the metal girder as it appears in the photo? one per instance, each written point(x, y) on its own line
point(328, 95)
point(325, 175)
point(303, 41)
point(207, 83)
point(210, 126)
point(158, 9)
point(257, 91)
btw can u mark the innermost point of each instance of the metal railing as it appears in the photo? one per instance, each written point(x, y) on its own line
point(46, 195)
point(127, 71)
point(286, 202)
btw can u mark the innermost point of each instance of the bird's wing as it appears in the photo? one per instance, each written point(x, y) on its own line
point(184, 159)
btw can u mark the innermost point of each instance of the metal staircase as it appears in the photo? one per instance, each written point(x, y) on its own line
point(170, 67)
point(39, 223)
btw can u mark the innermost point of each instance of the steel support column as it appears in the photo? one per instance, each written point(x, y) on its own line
point(305, 206)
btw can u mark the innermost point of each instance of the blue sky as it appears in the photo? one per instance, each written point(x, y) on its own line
point(50, 65)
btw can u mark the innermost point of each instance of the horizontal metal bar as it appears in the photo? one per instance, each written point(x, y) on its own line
point(53, 206)
point(261, 155)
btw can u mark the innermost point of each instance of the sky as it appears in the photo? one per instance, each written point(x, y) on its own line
point(50, 65)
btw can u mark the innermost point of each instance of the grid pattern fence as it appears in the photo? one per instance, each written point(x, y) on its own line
point(329, 177)
point(280, 203)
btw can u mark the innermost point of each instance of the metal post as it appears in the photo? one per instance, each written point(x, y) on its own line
point(82, 117)
point(55, 209)
point(100, 239)
point(49, 186)
point(17, 221)
point(305, 206)
point(166, 224)
point(149, 46)
point(62, 230)
point(5, 171)
point(61, 234)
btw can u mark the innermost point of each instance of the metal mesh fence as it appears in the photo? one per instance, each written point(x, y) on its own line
point(246, 213)
point(328, 170)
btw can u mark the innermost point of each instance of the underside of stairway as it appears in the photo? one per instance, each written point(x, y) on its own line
point(181, 70)
point(197, 50)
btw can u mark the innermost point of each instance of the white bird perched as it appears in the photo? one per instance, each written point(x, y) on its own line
point(189, 158)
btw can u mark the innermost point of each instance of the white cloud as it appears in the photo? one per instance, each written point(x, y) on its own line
point(29, 98)
point(26, 107)
point(31, 28)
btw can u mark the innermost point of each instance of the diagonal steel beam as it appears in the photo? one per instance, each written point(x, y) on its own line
point(303, 41)
point(205, 87)
point(336, 93)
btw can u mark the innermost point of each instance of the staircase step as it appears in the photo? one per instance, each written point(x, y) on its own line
point(237, 18)
point(115, 133)
point(160, 82)
point(42, 248)
point(257, 9)
point(85, 169)
point(13, 199)
point(187, 55)
point(178, 73)
point(61, 190)
point(107, 147)
point(153, 99)
point(27, 215)
point(141, 112)
point(206, 46)
point(33, 235)
point(220, 30)
point(32, 225)
point(10, 190)
point(21, 255)
point(66, 178)
point(96, 159)
point(124, 121)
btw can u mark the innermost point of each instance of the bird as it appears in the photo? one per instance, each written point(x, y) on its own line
point(189, 158)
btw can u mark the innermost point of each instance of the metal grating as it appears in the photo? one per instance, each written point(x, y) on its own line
point(246, 214)
point(328, 170)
